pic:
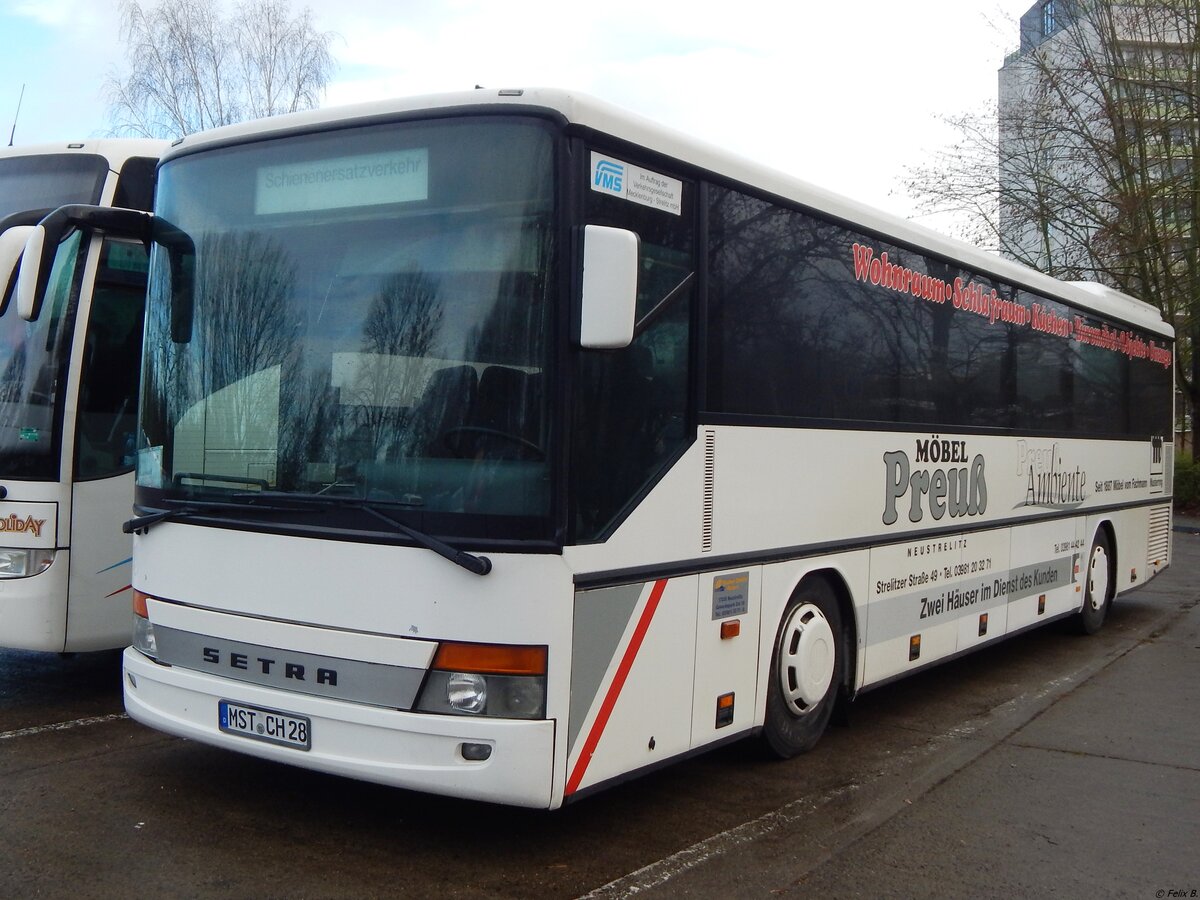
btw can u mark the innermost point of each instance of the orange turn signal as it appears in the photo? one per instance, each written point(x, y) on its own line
point(724, 710)
point(490, 659)
point(139, 604)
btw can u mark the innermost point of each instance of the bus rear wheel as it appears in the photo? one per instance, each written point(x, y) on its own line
point(806, 670)
point(1099, 586)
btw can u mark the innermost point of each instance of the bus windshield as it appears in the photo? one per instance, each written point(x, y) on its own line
point(33, 355)
point(360, 315)
point(33, 368)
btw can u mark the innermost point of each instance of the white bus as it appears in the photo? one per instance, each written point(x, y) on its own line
point(505, 445)
point(68, 399)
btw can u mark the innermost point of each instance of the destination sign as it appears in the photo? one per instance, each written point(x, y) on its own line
point(373, 179)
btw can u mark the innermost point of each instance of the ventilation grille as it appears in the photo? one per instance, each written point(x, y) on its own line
point(1158, 543)
point(710, 483)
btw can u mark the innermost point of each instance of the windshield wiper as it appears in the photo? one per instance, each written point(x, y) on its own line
point(141, 524)
point(477, 565)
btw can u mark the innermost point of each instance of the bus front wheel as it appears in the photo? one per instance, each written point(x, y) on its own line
point(806, 670)
point(1100, 586)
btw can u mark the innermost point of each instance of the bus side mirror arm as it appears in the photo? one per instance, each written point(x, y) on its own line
point(608, 301)
point(42, 244)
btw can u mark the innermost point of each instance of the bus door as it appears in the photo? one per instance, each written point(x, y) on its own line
point(105, 437)
point(631, 421)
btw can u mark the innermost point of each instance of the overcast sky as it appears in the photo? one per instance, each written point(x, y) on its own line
point(843, 94)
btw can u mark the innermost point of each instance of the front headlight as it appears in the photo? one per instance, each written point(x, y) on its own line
point(473, 694)
point(493, 680)
point(467, 692)
point(143, 637)
point(143, 629)
point(22, 562)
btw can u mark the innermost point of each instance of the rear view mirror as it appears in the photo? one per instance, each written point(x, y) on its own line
point(608, 305)
point(14, 232)
point(33, 277)
point(12, 243)
point(181, 261)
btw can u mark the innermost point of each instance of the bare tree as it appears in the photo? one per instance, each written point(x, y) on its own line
point(192, 68)
point(1090, 167)
point(960, 180)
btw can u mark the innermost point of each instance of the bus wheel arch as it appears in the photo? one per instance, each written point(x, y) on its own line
point(1099, 580)
point(811, 660)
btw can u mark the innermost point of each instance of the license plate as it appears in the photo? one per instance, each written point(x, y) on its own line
point(268, 725)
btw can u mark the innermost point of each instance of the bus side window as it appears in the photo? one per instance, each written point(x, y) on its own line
point(109, 377)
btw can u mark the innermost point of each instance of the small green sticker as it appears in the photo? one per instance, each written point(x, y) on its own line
point(30, 434)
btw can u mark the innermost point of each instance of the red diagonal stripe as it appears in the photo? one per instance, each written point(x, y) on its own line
point(614, 689)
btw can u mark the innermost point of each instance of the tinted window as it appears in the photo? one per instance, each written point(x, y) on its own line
point(49, 181)
point(812, 320)
point(108, 386)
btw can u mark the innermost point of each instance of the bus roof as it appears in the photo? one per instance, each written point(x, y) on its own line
point(589, 112)
point(115, 150)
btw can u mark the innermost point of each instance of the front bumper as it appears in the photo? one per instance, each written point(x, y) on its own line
point(408, 750)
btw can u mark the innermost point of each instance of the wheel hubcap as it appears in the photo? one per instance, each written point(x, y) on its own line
point(1098, 578)
point(806, 658)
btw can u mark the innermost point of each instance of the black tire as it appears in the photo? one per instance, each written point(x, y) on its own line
point(1099, 586)
point(807, 670)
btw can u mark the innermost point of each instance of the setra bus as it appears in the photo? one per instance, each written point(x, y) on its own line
point(68, 399)
point(505, 445)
